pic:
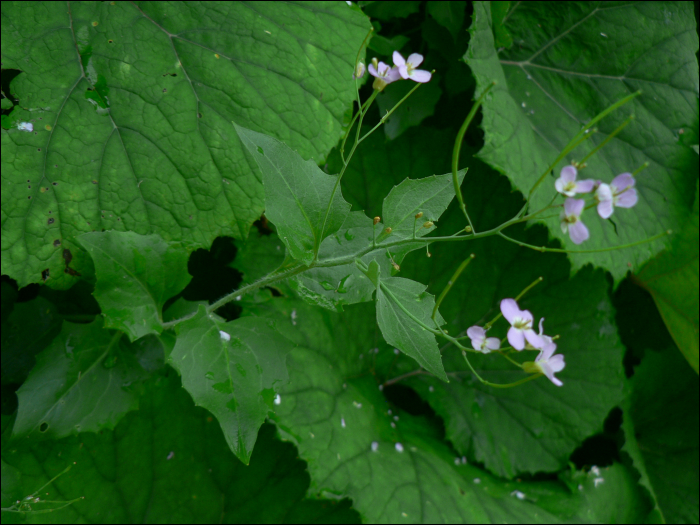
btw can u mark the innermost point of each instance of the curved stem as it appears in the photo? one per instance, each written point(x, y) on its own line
point(598, 250)
point(451, 282)
point(383, 119)
point(457, 148)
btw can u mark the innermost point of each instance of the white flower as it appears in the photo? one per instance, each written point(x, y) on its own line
point(570, 220)
point(480, 342)
point(520, 325)
point(620, 192)
point(549, 364)
point(566, 183)
point(25, 126)
point(407, 68)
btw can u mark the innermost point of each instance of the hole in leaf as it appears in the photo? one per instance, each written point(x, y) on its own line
point(51, 220)
point(45, 275)
point(57, 242)
point(44, 427)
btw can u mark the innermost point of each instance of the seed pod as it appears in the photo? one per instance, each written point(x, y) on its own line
point(419, 215)
point(428, 224)
point(376, 220)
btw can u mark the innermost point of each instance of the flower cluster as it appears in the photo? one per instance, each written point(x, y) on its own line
point(402, 69)
point(521, 336)
point(619, 193)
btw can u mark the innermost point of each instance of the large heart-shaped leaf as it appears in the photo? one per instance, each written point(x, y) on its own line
point(131, 106)
point(552, 81)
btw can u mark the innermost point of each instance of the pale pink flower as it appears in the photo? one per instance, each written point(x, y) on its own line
point(567, 185)
point(520, 325)
point(620, 192)
point(407, 68)
point(570, 220)
point(482, 343)
point(549, 364)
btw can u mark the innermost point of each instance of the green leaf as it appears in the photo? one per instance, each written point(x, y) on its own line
point(136, 274)
point(132, 107)
point(260, 255)
point(430, 195)
point(672, 280)
point(168, 462)
point(28, 330)
point(233, 370)
point(502, 38)
point(660, 422)
point(297, 195)
point(399, 303)
point(419, 106)
point(332, 287)
point(554, 81)
point(450, 15)
point(384, 11)
point(84, 381)
point(350, 436)
point(11, 479)
point(386, 46)
point(375, 168)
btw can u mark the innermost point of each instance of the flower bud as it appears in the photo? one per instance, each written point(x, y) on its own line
point(359, 70)
point(375, 63)
point(388, 230)
point(428, 224)
point(419, 215)
point(376, 220)
point(396, 266)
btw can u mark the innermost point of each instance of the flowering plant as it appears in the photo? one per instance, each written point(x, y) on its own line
point(389, 256)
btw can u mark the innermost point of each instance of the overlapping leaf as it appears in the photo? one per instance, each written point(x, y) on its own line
point(136, 274)
point(393, 465)
point(131, 106)
point(552, 81)
point(305, 204)
point(536, 426)
point(661, 434)
point(672, 280)
point(334, 286)
point(84, 381)
point(233, 370)
point(168, 462)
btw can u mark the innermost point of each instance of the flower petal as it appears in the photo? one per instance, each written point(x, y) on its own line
point(398, 59)
point(403, 71)
point(550, 375)
point(516, 338)
point(510, 310)
point(574, 206)
point(585, 186)
point(622, 181)
point(534, 339)
point(415, 59)
point(578, 232)
point(627, 199)
point(605, 209)
point(546, 352)
point(568, 173)
point(372, 70)
point(556, 363)
point(420, 75)
point(493, 343)
point(476, 332)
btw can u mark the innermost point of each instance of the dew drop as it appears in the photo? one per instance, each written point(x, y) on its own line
point(397, 351)
point(209, 376)
point(518, 494)
point(398, 447)
point(523, 104)
point(224, 336)
point(375, 446)
point(342, 422)
point(278, 400)
point(477, 481)
point(170, 456)
point(327, 286)
point(349, 236)
point(431, 388)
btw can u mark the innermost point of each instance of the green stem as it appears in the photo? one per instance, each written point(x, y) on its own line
point(451, 282)
point(496, 385)
point(578, 138)
point(383, 119)
point(457, 149)
point(607, 139)
point(598, 250)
